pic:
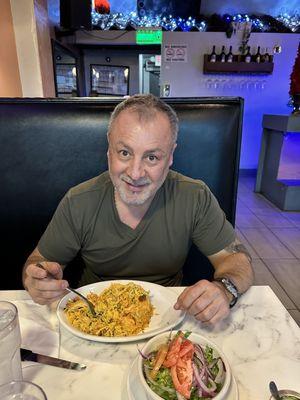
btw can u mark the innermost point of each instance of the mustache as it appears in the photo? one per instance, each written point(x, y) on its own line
point(138, 182)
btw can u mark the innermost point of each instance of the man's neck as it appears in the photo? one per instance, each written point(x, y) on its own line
point(131, 215)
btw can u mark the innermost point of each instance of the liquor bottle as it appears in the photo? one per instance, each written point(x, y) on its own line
point(213, 55)
point(257, 57)
point(266, 56)
point(223, 55)
point(229, 57)
point(248, 55)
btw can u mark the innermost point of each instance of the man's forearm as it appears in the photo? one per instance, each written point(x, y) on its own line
point(238, 268)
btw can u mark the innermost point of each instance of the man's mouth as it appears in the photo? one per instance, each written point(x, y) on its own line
point(135, 186)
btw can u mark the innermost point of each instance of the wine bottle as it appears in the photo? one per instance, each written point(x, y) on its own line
point(213, 55)
point(266, 56)
point(248, 55)
point(229, 57)
point(257, 57)
point(223, 55)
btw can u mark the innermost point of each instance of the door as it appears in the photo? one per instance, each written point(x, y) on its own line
point(149, 73)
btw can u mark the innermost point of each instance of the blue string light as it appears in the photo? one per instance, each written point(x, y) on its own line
point(171, 23)
point(290, 21)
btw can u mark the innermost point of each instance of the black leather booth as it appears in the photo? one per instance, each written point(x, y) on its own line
point(49, 145)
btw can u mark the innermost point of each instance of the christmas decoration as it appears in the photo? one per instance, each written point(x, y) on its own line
point(290, 21)
point(295, 84)
point(229, 24)
point(102, 6)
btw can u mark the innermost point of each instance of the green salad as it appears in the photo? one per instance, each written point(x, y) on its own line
point(180, 369)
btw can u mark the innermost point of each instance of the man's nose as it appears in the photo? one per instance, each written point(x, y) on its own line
point(135, 169)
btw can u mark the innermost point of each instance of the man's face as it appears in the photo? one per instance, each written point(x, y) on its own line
point(139, 156)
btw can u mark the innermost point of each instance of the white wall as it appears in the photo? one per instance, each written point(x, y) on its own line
point(267, 94)
point(27, 47)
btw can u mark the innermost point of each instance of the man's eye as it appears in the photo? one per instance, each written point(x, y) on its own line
point(124, 153)
point(152, 158)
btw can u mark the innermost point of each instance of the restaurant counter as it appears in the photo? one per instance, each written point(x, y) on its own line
point(260, 340)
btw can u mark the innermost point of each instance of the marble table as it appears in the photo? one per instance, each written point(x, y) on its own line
point(260, 340)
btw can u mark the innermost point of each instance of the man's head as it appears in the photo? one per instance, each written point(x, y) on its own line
point(142, 137)
point(146, 105)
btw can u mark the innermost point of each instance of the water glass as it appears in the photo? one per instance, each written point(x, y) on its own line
point(21, 390)
point(10, 342)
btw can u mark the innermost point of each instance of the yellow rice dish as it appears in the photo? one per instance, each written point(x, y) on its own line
point(122, 310)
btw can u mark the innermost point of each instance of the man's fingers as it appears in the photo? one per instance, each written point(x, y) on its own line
point(208, 312)
point(222, 313)
point(32, 271)
point(49, 295)
point(205, 301)
point(42, 300)
point(44, 283)
point(202, 302)
point(189, 295)
point(44, 292)
point(53, 268)
point(49, 284)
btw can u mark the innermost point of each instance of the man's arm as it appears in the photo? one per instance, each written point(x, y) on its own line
point(234, 262)
point(36, 281)
point(209, 301)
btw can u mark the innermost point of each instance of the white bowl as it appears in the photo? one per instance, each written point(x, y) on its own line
point(156, 341)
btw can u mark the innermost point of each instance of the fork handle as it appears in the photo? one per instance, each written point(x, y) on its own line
point(89, 303)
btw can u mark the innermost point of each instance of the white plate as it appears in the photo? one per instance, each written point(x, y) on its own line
point(162, 298)
point(135, 391)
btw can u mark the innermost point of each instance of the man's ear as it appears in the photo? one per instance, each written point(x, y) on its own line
point(171, 155)
point(107, 153)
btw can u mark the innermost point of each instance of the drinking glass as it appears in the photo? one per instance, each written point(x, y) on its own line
point(223, 84)
point(10, 342)
point(208, 84)
point(216, 83)
point(21, 390)
point(243, 84)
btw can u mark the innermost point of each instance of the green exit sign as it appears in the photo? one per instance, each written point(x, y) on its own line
point(149, 36)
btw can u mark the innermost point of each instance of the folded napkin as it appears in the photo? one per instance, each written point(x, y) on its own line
point(39, 327)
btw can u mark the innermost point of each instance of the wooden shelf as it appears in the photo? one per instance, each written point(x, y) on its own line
point(236, 67)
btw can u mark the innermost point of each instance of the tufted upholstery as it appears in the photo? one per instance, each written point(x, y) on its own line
point(49, 145)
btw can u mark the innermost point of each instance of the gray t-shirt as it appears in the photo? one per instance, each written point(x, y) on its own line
point(183, 211)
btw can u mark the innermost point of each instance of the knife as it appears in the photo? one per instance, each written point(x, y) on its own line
point(28, 355)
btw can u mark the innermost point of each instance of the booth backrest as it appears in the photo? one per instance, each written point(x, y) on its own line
point(49, 145)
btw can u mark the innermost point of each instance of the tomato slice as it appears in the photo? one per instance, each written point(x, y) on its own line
point(182, 377)
point(182, 371)
point(186, 350)
point(173, 352)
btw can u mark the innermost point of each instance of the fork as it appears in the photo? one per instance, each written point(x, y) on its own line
point(87, 301)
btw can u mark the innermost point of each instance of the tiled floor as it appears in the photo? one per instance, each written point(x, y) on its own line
point(273, 239)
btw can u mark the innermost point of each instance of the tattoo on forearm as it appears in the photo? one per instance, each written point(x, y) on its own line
point(238, 247)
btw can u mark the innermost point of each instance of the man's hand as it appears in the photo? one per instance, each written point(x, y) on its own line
point(207, 301)
point(42, 288)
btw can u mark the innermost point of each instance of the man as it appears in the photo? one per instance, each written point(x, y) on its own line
point(137, 220)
